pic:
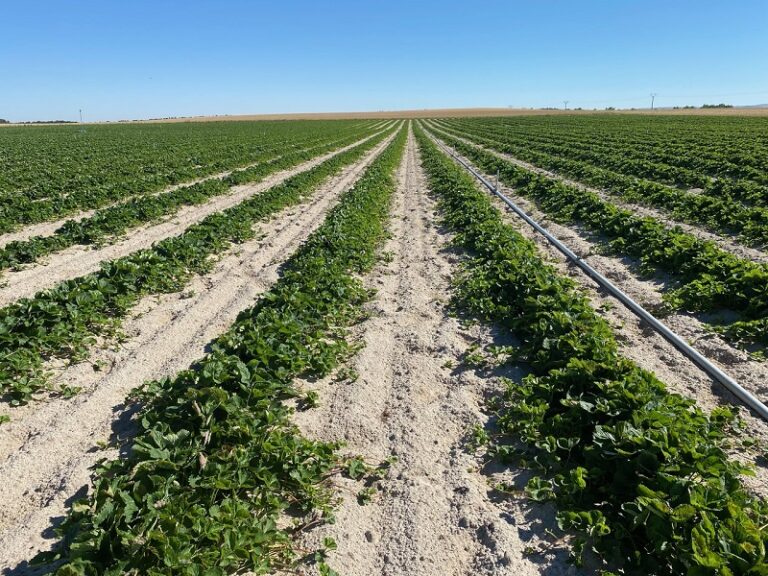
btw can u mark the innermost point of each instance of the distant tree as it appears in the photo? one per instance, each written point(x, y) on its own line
point(50, 122)
point(4, 121)
point(717, 105)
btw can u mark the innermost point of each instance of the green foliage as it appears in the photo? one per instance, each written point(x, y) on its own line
point(709, 278)
point(366, 495)
point(725, 158)
point(636, 472)
point(109, 223)
point(47, 173)
point(63, 321)
point(216, 460)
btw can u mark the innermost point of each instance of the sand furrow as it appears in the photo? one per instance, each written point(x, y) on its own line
point(433, 514)
point(47, 449)
point(80, 260)
point(724, 242)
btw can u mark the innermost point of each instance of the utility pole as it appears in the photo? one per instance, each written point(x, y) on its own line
point(81, 115)
point(653, 97)
point(565, 104)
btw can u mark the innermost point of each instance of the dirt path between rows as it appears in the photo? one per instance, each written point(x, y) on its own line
point(641, 343)
point(434, 514)
point(753, 254)
point(47, 449)
point(81, 260)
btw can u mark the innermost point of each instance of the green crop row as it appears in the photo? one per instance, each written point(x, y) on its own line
point(51, 172)
point(709, 278)
point(629, 158)
point(61, 322)
point(216, 461)
point(637, 473)
point(625, 159)
point(732, 149)
point(620, 158)
point(108, 223)
point(718, 213)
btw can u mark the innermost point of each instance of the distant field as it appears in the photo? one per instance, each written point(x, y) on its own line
point(437, 113)
point(463, 112)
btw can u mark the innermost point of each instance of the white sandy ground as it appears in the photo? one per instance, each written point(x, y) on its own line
point(47, 448)
point(726, 243)
point(49, 227)
point(80, 260)
point(435, 513)
point(643, 345)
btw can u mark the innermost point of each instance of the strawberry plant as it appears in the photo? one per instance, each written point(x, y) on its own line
point(716, 211)
point(721, 156)
point(47, 173)
point(108, 223)
point(709, 278)
point(63, 321)
point(639, 474)
point(216, 461)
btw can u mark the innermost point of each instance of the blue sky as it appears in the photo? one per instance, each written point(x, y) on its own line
point(140, 58)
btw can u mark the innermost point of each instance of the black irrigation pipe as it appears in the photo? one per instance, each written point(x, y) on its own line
point(691, 353)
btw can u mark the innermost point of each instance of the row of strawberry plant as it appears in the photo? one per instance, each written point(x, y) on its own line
point(108, 223)
point(720, 214)
point(721, 151)
point(638, 473)
point(216, 461)
point(624, 156)
point(726, 148)
point(61, 322)
point(747, 184)
point(625, 161)
point(56, 171)
point(56, 162)
point(709, 278)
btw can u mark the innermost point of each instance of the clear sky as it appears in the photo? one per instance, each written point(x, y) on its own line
point(119, 59)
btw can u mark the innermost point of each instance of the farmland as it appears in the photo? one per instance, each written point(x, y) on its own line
point(321, 346)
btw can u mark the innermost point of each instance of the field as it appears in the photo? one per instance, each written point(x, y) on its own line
point(320, 346)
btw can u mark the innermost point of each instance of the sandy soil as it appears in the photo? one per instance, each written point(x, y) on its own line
point(47, 448)
point(724, 242)
point(80, 260)
point(643, 345)
point(434, 514)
